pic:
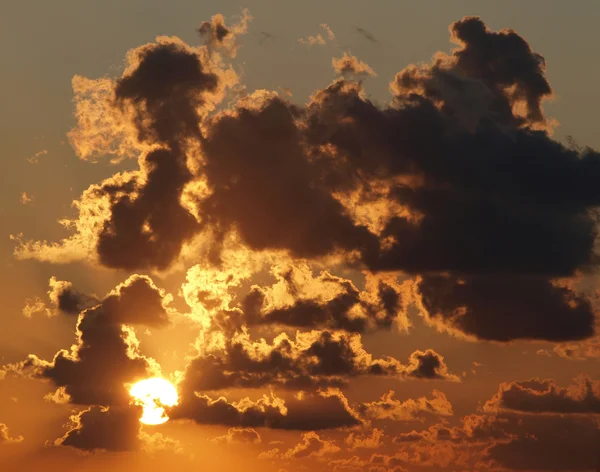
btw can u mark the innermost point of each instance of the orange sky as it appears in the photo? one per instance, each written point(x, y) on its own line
point(354, 239)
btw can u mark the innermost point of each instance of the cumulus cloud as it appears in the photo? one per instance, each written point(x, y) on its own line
point(374, 440)
point(311, 445)
point(390, 408)
point(106, 357)
point(349, 65)
point(103, 428)
point(6, 438)
point(503, 307)
point(301, 300)
point(546, 396)
point(217, 35)
point(548, 443)
point(321, 410)
point(312, 360)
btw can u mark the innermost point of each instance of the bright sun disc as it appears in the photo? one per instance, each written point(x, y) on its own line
point(153, 394)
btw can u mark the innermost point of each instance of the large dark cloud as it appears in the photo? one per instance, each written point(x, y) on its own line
point(263, 186)
point(95, 371)
point(332, 302)
point(503, 307)
point(545, 396)
point(321, 410)
point(313, 360)
point(102, 428)
point(163, 93)
point(549, 443)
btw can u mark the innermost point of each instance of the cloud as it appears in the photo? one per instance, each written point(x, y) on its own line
point(103, 428)
point(26, 199)
point(349, 65)
point(6, 438)
point(429, 365)
point(319, 39)
point(136, 219)
point(545, 396)
point(374, 440)
point(472, 429)
point(390, 408)
point(239, 435)
point(506, 307)
point(311, 445)
point(291, 212)
point(321, 410)
point(312, 360)
point(492, 73)
point(35, 157)
point(549, 443)
point(106, 356)
point(68, 300)
point(301, 300)
point(217, 35)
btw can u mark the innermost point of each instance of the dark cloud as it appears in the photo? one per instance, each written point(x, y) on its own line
point(545, 396)
point(502, 60)
point(216, 34)
point(105, 358)
point(67, 299)
point(429, 365)
point(480, 429)
point(549, 443)
point(491, 74)
point(328, 302)
point(214, 30)
point(315, 359)
point(164, 92)
point(503, 308)
point(102, 428)
point(263, 186)
point(322, 410)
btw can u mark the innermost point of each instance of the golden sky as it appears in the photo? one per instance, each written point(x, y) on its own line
point(336, 236)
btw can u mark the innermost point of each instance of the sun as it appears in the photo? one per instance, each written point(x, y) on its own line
point(153, 395)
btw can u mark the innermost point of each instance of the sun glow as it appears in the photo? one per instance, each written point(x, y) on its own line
point(153, 395)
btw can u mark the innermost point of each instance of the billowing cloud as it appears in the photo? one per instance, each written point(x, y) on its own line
point(503, 62)
point(349, 65)
point(429, 365)
point(314, 359)
point(545, 396)
point(390, 408)
point(217, 35)
point(102, 428)
point(301, 300)
point(549, 443)
point(311, 445)
point(374, 440)
point(106, 357)
point(6, 438)
point(503, 307)
point(321, 410)
point(67, 299)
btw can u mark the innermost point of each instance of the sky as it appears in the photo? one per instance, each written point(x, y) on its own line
point(351, 236)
